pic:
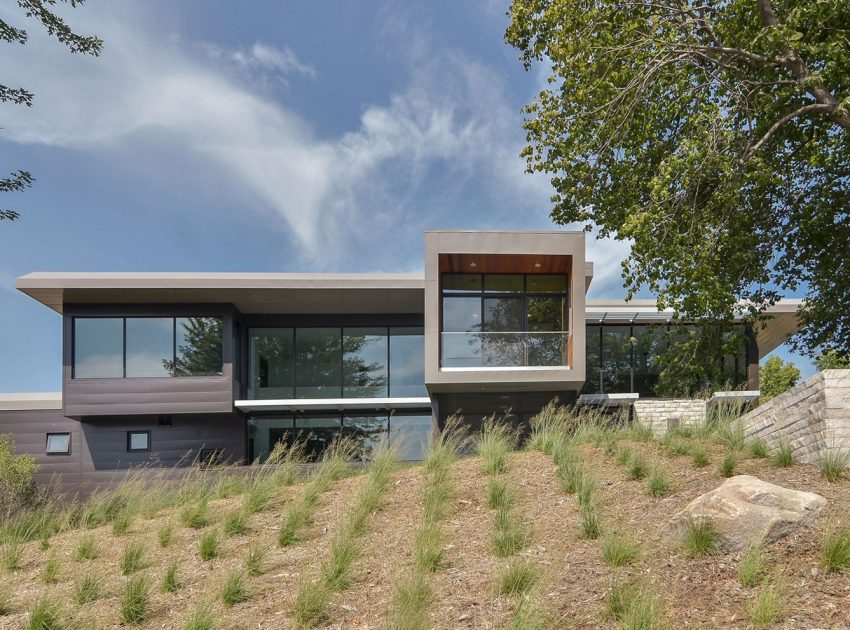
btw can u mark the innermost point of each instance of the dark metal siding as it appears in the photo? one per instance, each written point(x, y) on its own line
point(139, 396)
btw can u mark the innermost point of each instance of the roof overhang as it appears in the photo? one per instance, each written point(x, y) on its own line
point(332, 404)
point(249, 292)
point(31, 401)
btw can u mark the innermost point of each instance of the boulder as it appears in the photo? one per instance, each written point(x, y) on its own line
point(747, 511)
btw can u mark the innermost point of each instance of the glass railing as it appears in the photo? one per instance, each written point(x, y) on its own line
point(504, 349)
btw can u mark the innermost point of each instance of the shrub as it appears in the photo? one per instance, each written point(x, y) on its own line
point(45, 614)
point(13, 556)
point(235, 589)
point(132, 558)
point(589, 523)
point(767, 608)
point(208, 545)
point(751, 569)
point(493, 445)
point(88, 589)
point(699, 457)
point(50, 573)
point(833, 463)
point(164, 535)
point(784, 455)
point(134, 600)
point(254, 560)
point(700, 538)
point(517, 578)
point(196, 515)
point(170, 582)
point(201, 618)
point(235, 522)
point(619, 551)
point(85, 549)
point(659, 483)
point(728, 464)
point(637, 467)
point(17, 489)
point(758, 448)
point(835, 549)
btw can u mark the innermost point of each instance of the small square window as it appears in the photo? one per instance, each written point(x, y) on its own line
point(138, 441)
point(58, 444)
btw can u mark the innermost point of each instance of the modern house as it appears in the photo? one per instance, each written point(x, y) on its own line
point(159, 368)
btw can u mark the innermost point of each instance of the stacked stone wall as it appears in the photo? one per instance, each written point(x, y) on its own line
point(662, 414)
point(813, 417)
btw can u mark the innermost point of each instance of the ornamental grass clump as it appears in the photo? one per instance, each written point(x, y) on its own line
point(164, 535)
point(170, 582)
point(752, 567)
point(134, 601)
point(728, 464)
point(700, 538)
point(835, 549)
point(45, 614)
point(517, 578)
point(133, 557)
point(659, 484)
point(201, 618)
point(833, 464)
point(768, 607)
point(196, 515)
point(255, 560)
point(548, 428)
point(699, 457)
point(208, 545)
point(493, 445)
point(50, 572)
point(637, 468)
point(235, 522)
point(85, 549)
point(758, 448)
point(88, 588)
point(618, 551)
point(235, 588)
point(784, 457)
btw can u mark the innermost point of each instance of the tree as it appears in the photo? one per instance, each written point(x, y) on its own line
point(776, 376)
point(832, 360)
point(40, 11)
point(713, 136)
point(199, 349)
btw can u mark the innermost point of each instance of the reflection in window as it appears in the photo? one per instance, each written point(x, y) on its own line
point(199, 343)
point(265, 433)
point(651, 341)
point(317, 433)
point(546, 316)
point(318, 369)
point(364, 362)
point(503, 283)
point(98, 347)
point(410, 434)
point(461, 314)
point(546, 283)
point(58, 444)
point(407, 362)
point(150, 346)
point(138, 441)
point(616, 358)
point(461, 282)
point(271, 371)
point(367, 432)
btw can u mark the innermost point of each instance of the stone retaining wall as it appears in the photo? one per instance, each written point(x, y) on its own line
point(813, 417)
point(661, 414)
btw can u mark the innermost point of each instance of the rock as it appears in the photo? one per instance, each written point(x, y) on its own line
point(747, 511)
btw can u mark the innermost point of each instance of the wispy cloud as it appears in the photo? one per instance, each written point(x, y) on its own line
point(406, 167)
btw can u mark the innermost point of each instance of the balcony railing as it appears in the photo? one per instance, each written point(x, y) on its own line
point(504, 349)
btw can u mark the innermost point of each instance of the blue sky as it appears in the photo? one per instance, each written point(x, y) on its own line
point(321, 136)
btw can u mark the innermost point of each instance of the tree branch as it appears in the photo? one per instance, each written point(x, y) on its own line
point(811, 108)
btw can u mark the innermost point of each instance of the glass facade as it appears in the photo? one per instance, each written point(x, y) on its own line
point(623, 358)
point(118, 347)
point(409, 432)
point(503, 320)
point(349, 362)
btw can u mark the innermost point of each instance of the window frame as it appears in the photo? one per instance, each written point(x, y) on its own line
point(130, 435)
point(47, 436)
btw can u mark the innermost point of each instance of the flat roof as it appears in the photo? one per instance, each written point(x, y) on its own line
point(30, 401)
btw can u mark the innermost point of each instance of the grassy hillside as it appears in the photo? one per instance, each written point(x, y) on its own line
point(565, 534)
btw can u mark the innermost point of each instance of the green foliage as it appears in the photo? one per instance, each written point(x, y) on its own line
point(121, 523)
point(775, 377)
point(509, 535)
point(618, 551)
point(497, 494)
point(585, 488)
point(235, 588)
point(196, 515)
point(134, 600)
point(428, 547)
point(50, 572)
point(170, 582)
point(208, 545)
point(13, 555)
point(589, 523)
point(832, 360)
point(752, 568)
point(235, 522)
point(410, 603)
point(728, 464)
point(85, 549)
point(637, 468)
point(659, 483)
point(17, 489)
point(164, 535)
point(768, 607)
point(517, 578)
point(5, 600)
point(700, 538)
point(784, 457)
point(45, 614)
point(493, 445)
point(727, 126)
point(311, 603)
point(699, 457)
point(833, 464)
point(254, 560)
point(201, 618)
point(88, 588)
point(758, 448)
point(835, 550)
point(133, 557)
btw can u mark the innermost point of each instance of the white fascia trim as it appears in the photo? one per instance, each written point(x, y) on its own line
point(528, 368)
point(335, 404)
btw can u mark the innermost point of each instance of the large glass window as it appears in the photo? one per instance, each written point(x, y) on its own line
point(364, 362)
point(318, 363)
point(265, 433)
point(504, 320)
point(99, 347)
point(115, 347)
point(407, 362)
point(317, 433)
point(367, 432)
point(271, 370)
point(410, 434)
point(198, 351)
point(616, 358)
point(150, 346)
point(650, 341)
